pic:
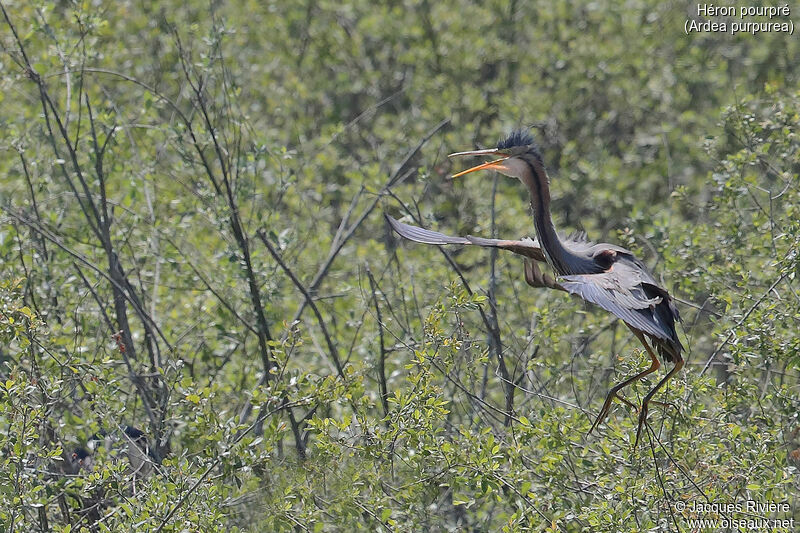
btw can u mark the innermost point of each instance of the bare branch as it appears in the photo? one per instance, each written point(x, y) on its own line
point(382, 355)
point(331, 346)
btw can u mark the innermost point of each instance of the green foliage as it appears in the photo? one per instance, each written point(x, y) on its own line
point(146, 146)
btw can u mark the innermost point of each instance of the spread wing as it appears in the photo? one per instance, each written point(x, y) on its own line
point(623, 287)
point(526, 247)
point(627, 290)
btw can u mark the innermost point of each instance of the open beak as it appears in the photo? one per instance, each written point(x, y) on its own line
point(497, 164)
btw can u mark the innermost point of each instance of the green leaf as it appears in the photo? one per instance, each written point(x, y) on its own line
point(194, 398)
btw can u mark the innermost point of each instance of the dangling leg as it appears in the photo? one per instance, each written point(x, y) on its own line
point(614, 392)
point(649, 396)
point(536, 278)
point(652, 356)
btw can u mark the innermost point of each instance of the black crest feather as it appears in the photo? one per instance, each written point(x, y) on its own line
point(520, 137)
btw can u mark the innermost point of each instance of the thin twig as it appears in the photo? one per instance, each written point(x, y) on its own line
point(297, 283)
point(382, 355)
point(738, 324)
point(220, 457)
point(397, 177)
point(55, 240)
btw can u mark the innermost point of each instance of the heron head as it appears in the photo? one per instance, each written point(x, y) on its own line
point(510, 155)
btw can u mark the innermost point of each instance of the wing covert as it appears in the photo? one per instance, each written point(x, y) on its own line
point(628, 302)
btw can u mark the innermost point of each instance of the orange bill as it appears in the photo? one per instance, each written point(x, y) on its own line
point(497, 164)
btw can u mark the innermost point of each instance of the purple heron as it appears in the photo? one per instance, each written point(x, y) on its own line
point(603, 274)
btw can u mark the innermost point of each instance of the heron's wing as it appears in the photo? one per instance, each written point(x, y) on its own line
point(577, 243)
point(526, 247)
point(422, 235)
point(621, 291)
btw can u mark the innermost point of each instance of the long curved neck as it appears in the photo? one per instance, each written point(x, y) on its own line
point(563, 260)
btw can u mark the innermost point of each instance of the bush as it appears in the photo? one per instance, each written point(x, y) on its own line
point(194, 246)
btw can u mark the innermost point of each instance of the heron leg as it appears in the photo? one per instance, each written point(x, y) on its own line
point(644, 342)
point(636, 407)
point(614, 392)
point(536, 278)
point(649, 396)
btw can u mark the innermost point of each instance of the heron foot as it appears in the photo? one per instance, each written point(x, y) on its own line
point(643, 415)
point(607, 407)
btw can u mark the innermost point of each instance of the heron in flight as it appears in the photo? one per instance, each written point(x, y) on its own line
point(603, 274)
